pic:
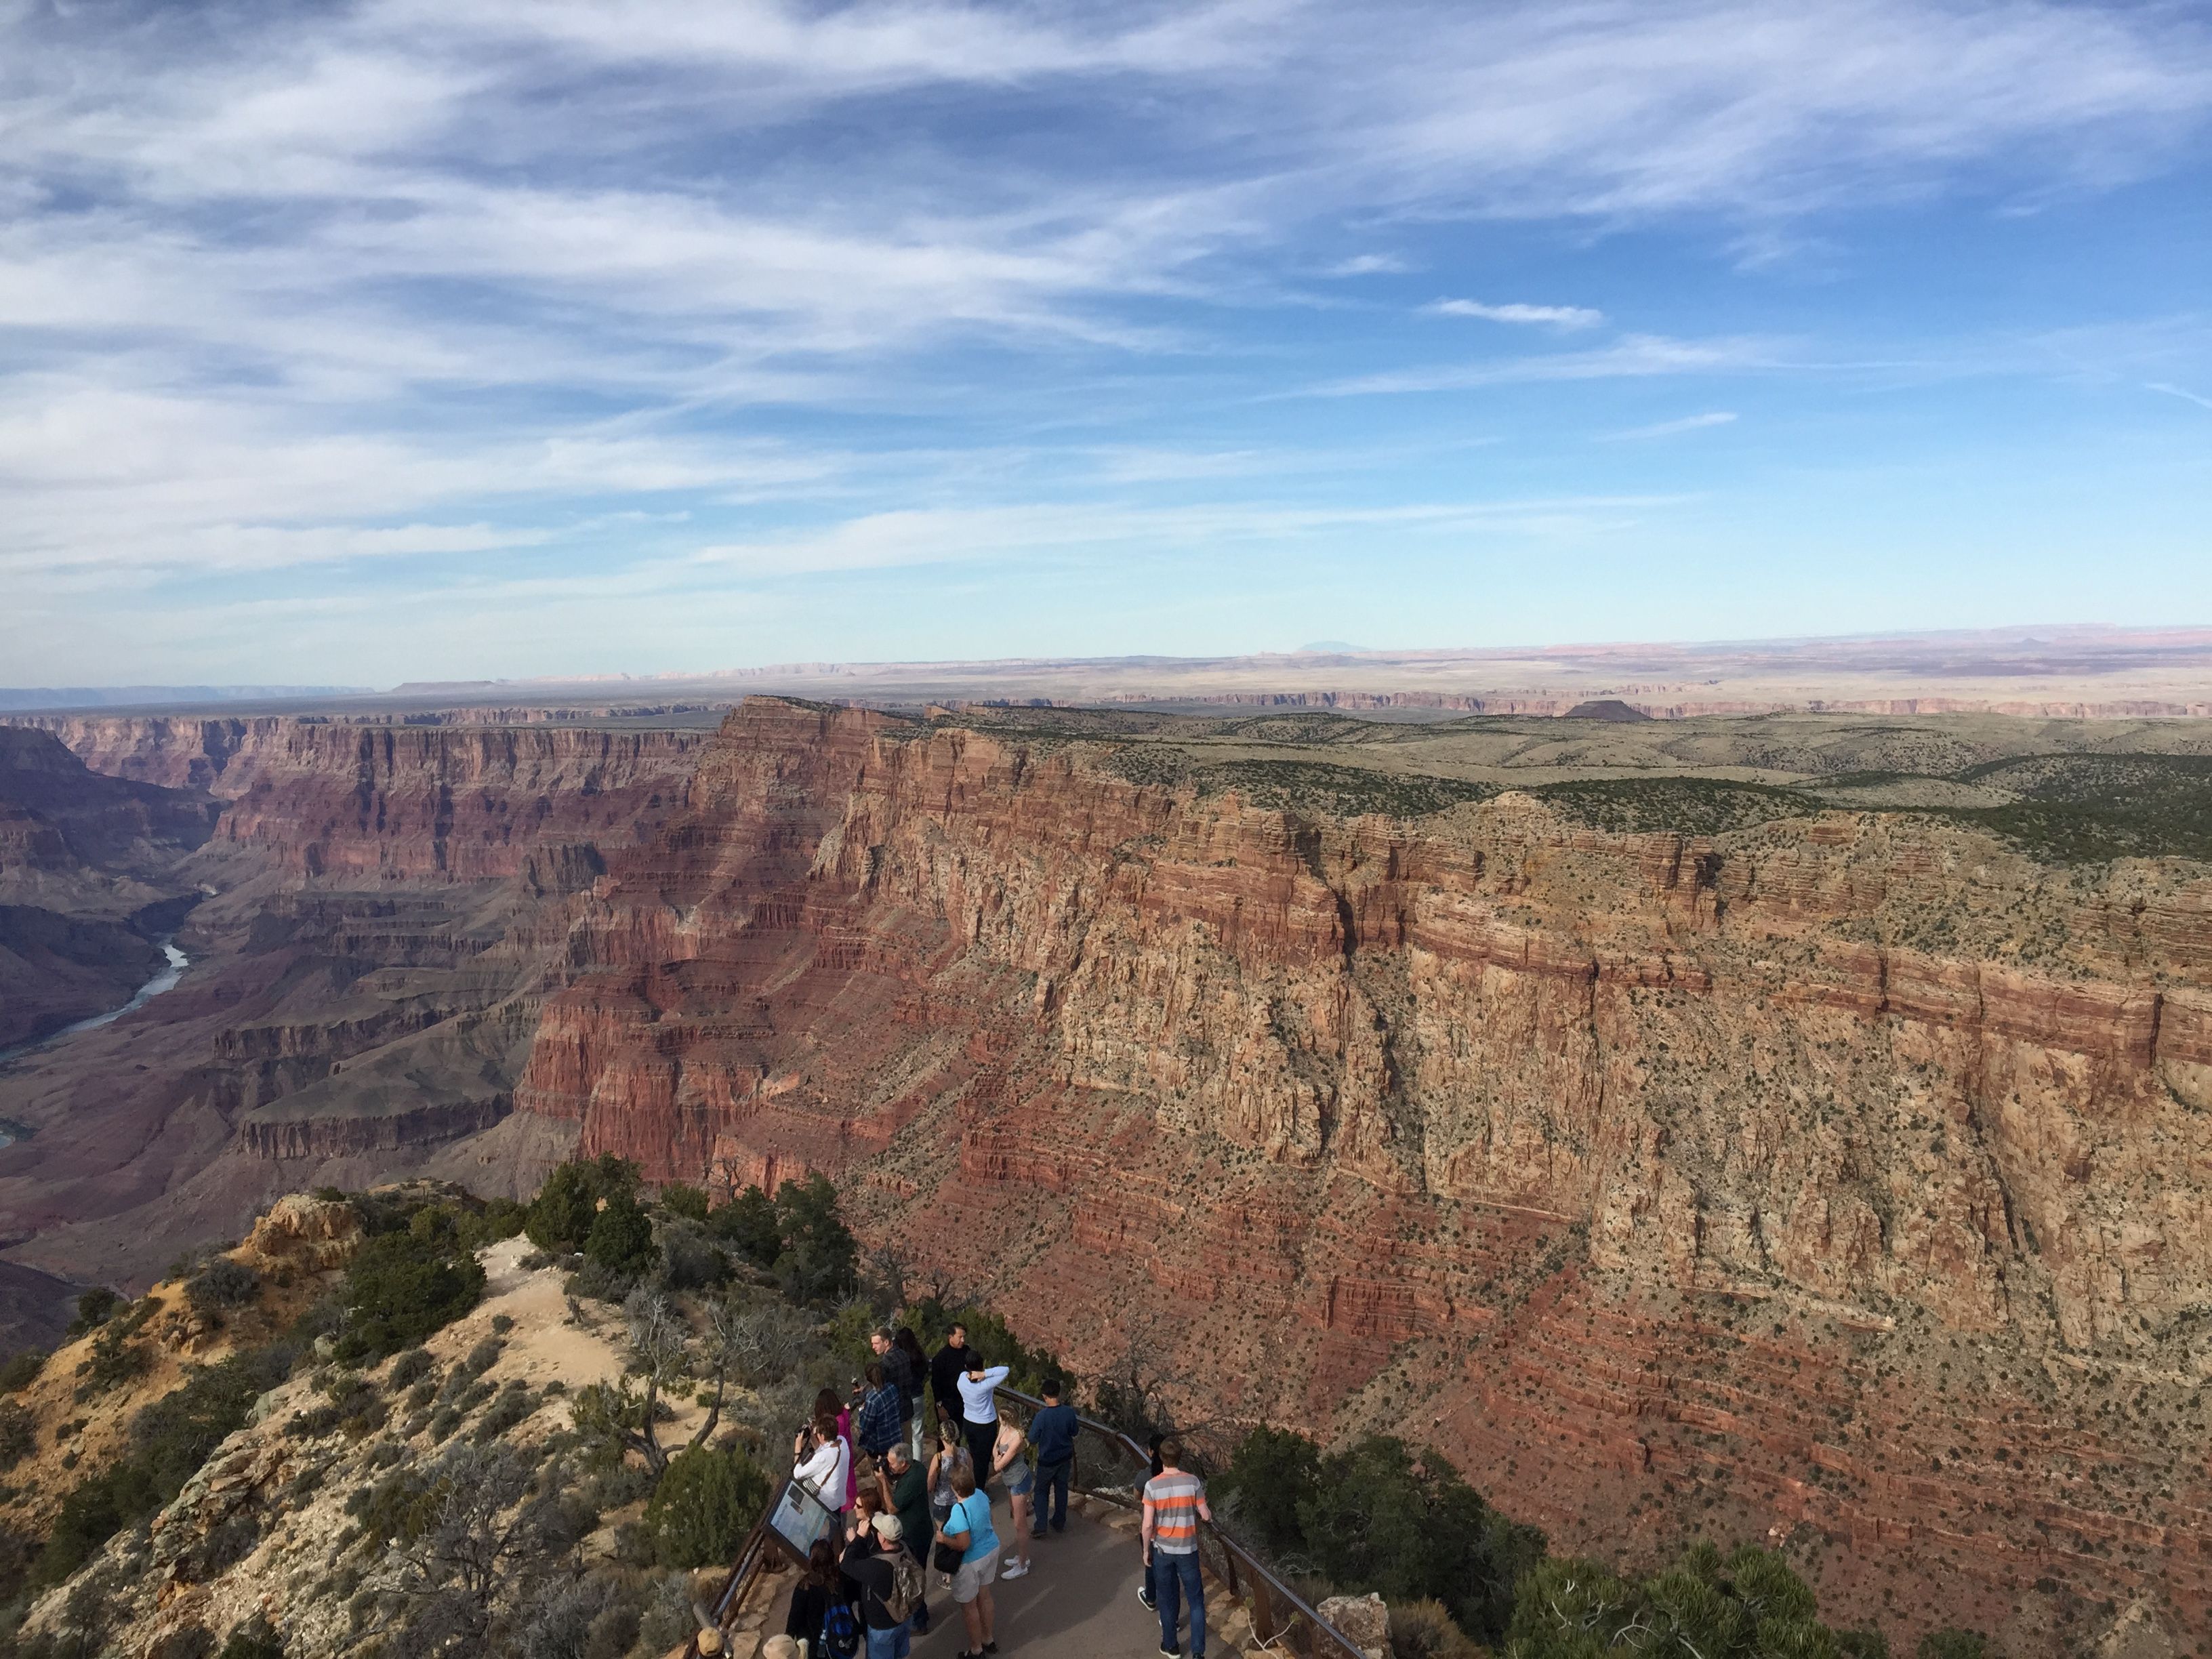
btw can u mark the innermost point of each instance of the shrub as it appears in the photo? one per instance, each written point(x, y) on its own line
point(620, 1241)
point(411, 1367)
point(1425, 1629)
point(222, 1283)
point(94, 1308)
point(21, 1370)
point(1952, 1643)
point(1747, 1602)
point(1381, 1518)
point(19, 1435)
point(748, 1225)
point(113, 1361)
point(255, 1639)
point(501, 1324)
point(690, 1260)
point(560, 1217)
point(593, 1283)
point(687, 1203)
point(1272, 1474)
point(819, 1257)
point(500, 1218)
point(706, 1502)
point(400, 1288)
point(514, 1404)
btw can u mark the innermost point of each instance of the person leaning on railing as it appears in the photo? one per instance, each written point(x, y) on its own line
point(1053, 1432)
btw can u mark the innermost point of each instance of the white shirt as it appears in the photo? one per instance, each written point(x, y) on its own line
point(825, 1471)
point(978, 1401)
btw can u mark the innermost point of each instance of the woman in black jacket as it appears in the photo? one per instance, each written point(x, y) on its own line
point(812, 1596)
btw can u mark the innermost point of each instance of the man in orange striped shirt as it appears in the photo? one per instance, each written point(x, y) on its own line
point(1174, 1502)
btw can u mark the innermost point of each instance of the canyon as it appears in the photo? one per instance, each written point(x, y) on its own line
point(1828, 1171)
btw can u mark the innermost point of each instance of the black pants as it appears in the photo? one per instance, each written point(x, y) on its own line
point(981, 1438)
point(1051, 1493)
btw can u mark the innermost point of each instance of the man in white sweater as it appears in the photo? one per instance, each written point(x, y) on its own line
point(979, 1405)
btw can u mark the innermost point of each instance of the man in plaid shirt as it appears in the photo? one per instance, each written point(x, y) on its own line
point(882, 1421)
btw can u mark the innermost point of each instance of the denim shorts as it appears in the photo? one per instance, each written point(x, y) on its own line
point(892, 1644)
point(1019, 1479)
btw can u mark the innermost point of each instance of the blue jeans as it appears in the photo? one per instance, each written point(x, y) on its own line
point(1051, 1494)
point(891, 1643)
point(1175, 1577)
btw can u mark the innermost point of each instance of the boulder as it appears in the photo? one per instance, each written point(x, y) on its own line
point(1364, 1619)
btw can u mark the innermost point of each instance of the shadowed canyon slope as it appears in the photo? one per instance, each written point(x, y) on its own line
point(1633, 1110)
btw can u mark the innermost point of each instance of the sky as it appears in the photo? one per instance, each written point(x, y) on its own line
point(357, 344)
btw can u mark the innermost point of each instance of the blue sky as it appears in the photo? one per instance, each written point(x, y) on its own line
point(430, 339)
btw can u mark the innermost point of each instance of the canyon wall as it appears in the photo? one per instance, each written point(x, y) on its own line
point(401, 801)
point(379, 908)
point(1839, 1181)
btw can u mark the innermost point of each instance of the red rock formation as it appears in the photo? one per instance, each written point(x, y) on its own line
point(1843, 1175)
point(363, 980)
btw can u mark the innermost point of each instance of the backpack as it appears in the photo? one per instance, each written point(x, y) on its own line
point(907, 1586)
point(840, 1631)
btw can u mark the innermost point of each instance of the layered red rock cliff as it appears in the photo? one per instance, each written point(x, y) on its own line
point(401, 801)
point(380, 904)
point(1839, 1181)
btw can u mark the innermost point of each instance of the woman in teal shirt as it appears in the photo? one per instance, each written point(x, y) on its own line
point(968, 1530)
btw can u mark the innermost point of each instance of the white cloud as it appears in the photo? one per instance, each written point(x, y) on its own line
point(1668, 428)
point(1634, 355)
point(293, 285)
point(2186, 395)
point(1370, 265)
point(1563, 317)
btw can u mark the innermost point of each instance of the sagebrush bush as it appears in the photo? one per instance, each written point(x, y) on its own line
point(1425, 1629)
point(222, 1284)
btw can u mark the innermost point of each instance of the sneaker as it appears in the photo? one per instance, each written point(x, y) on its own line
point(1145, 1595)
point(1013, 1570)
point(1170, 1653)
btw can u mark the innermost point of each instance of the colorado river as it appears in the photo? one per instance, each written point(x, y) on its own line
point(166, 980)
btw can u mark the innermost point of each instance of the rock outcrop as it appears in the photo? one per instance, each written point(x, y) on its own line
point(1842, 1174)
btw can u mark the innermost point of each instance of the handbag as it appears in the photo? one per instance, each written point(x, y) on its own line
point(945, 1558)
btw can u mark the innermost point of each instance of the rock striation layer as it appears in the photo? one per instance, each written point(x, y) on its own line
point(1839, 1179)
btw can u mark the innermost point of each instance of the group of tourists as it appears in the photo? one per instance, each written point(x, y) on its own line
point(899, 1518)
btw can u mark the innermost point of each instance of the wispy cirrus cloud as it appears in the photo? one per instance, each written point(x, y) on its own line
point(283, 288)
point(1633, 357)
point(1561, 317)
point(1670, 429)
point(2182, 393)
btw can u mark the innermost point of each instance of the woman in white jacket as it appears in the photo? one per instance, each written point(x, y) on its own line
point(821, 1453)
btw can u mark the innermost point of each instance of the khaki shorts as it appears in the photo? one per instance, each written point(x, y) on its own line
point(973, 1575)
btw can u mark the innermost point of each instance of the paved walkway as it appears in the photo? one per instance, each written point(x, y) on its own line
point(1078, 1601)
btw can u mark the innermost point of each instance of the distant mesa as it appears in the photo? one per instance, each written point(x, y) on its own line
point(1604, 708)
point(1312, 645)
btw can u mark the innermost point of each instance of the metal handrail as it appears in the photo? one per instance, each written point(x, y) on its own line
point(1265, 1589)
